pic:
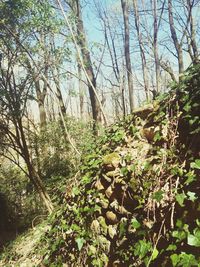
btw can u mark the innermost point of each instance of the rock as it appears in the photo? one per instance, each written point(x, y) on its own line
point(112, 217)
point(108, 179)
point(104, 203)
point(112, 231)
point(148, 133)
point(104, 243)
point(103, 225)
point(116, 263)
point(120, 180)
point(98, 185)
point(114, 205)
point(95, 226)
point(123, 211)
point(112, 174)
point(112, 160)
point(144, 111)
point(92, 250)
point(109, 191)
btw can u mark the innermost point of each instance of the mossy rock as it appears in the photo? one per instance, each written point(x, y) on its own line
point(112, 159)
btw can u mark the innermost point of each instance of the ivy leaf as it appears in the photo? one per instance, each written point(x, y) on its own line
point(179, 235)
point(135, 223)
point(142, 248)
point(122, 228)
point(155, 254)
point(171, 247)
point(158, 196)
point(75, 191)
point(175, 259)
point(194, 240)
point(190, 177)
point(124, 171)
point(196, 164)
point(80, 242)
point(187, 260)
point(180, 199)
point(192, 196)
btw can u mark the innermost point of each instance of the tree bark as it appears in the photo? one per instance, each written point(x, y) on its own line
point(192, 43)
point(124, 5)
point(142, 52)
point(177, 45)
point(41, 95)
point(58, 91)
point(155, 45)
point(82, 42)
point(33, 175)
point(81, 92)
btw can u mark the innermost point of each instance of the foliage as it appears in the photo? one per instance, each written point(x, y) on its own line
point(22, 202)
point(137, 201)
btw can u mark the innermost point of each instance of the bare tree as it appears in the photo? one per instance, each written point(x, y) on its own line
point(155, 43)
point(142, 50)
point(177, 44)
point(13, 106)
point(191, 33)
point(86, 57)
point(124, 4)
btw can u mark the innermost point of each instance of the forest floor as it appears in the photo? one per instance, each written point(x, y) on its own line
point(20, 252)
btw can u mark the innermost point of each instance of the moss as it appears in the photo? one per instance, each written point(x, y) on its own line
point(111, 159)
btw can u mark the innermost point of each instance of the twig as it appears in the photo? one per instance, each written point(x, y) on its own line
point(154, 248)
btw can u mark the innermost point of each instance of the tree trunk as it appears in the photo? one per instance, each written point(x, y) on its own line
point(124, 5)
point(142, 52)
point(155, 45)
point(192, 43)
point(177, 45)
point(33, 175)
point(82, 42)
point(81, 92)
point(58, 91)
point(40, 99)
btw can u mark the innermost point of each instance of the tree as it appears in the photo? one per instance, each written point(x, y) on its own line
point(13, 98)
point(142, 49)
point(124, 4)
point(177, 44)
point(80, 41)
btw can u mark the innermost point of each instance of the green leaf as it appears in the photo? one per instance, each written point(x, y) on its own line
point(142, 248)
point(158, 196)
point(124, 171)
point(171, 247)
point(187, 260)
point(193, 241)
point(192, 196)
point(187, 107)
point(155, 254)
point(135, 224)
point(75, 191)
point(190, 177)
point(175, 259)
point(196, 164)
point(180, 199)
point(180, 235)
point(157, 136)
point(80, 242)
point(122, 228)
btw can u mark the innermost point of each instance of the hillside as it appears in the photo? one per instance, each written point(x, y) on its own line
point(135, 201)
